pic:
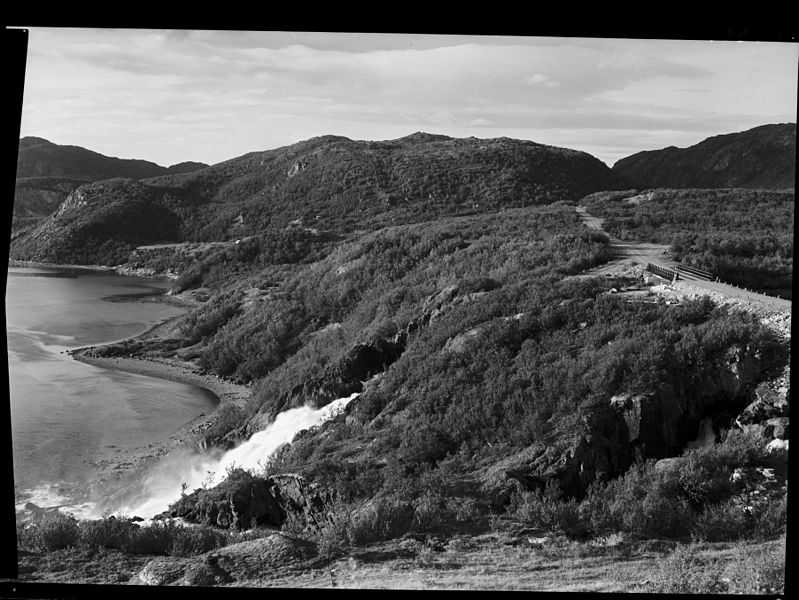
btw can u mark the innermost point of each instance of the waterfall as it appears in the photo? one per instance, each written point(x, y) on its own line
point(181, 472)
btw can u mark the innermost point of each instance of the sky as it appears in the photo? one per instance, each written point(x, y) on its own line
point(170, 96)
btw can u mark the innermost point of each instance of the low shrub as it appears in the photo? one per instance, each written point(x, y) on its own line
point(110, 532)
point(54, 533)
point(758, 570)
point(685, 572)
point(540, 508)
point(26, 537)
point(155, 538)
point(428, 510)
point(383, 519)
point(772, 520)
point(547, 510)
point(721, 522)
point(191, 541)
point(465, 509)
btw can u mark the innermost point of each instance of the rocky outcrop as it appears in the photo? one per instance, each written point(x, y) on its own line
point(308, 502)
point(656, 424)
point(250, 561)
point(346, 376)
point(240, 502)
point(771, 401)
point(757, 487)
point(243, 501)
point(596, 450)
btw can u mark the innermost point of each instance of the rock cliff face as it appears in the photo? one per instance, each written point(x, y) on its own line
point(346, 376)
point(656, 424)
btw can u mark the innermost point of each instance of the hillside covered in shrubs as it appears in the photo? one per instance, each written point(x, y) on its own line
point(493, 378)
point(497, 385)
point(330, 184)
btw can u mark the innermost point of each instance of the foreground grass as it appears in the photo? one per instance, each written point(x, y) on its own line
point(515, 558)
point(508, 562)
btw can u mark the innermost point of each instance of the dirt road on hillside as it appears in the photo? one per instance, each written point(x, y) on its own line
point(642, 253)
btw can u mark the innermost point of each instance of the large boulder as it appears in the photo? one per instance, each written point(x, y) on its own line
point(250, 561)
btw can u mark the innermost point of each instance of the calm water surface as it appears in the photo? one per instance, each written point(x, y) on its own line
point(66, 415)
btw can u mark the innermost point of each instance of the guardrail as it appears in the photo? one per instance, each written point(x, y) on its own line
point(669, 274)
point(701, 273)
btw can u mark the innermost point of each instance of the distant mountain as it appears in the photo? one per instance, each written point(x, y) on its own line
point(186, 167)
point(48, 172)
point(41, 158)
point(760, 158)
point(328, 183)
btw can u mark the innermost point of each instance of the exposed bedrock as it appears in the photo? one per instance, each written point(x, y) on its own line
point(653, 424)
point(243, 501)
point(346, 376)
point(240, 502)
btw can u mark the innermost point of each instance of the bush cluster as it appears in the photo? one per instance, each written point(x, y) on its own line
point(690, 497)
point(159, 537)
point(750, 571)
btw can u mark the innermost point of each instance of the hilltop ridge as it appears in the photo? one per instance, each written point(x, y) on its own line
point(329, 183)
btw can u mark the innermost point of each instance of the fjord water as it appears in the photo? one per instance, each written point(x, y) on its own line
point(67, 415)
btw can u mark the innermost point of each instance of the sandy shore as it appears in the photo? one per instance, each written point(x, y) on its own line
point(121, 270)
point(225, 391)
point(135, 459)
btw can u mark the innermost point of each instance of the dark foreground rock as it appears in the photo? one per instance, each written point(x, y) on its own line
point(243, 501)
point(259, 559)
point(240, 502)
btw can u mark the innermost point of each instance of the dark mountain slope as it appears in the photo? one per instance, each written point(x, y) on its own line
point(760, 158)
point(339, 185)
point(39, 196)
point(105, 219)
point(48, 172)
point(186, 167)
point(41, 158)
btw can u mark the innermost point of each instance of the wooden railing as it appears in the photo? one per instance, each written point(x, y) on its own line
point(701, 273)
point(669, 274)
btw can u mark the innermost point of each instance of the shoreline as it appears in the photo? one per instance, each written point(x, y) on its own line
point(120, 270)
point(133, 460)
point(225, 391)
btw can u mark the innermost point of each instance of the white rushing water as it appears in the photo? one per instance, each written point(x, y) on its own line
point(178, 473)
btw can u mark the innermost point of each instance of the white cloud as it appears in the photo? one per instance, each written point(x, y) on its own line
point(539, 79)
point(262, 88)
